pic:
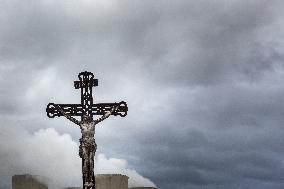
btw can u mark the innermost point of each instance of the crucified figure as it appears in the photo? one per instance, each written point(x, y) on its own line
point(88, 145)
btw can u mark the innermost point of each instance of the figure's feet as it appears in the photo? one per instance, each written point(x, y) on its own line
point(88, 184)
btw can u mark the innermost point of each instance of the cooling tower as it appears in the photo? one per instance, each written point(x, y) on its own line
point(111, 181)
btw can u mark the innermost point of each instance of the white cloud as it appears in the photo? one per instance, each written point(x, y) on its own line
point(54, 156)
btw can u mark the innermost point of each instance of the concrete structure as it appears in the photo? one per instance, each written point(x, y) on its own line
point(28, 182)
point(142, 188)
point(111, 181)
point(103, 181)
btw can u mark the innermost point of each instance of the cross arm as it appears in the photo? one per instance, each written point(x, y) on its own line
point(103, 108)
point(96, 109)
point(69, 109)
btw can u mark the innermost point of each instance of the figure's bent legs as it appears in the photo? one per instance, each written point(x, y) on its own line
point(87, 153)
point(85, 165)
point(91, 167)
point(82, 156)
point(91, 163)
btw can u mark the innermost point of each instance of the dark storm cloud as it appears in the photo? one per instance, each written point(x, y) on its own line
point(223, 137)
point(199, 42)
point(203, 82)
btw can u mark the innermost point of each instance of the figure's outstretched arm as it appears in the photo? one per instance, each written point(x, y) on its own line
point(106, 115)
point(67, 116)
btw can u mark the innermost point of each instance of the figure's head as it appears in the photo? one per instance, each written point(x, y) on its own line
point(86, 118)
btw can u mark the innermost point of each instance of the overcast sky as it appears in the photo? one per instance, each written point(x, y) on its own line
point(203, 81)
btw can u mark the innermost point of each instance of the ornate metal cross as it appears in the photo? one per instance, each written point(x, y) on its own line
point(86, 110)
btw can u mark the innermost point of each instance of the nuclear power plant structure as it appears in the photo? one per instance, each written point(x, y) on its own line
point(111, 181)
point(103, 181)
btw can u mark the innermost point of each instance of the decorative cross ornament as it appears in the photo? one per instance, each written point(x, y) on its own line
point(87, 125)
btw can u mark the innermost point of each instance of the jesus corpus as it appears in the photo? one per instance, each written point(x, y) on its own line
point(88, 145)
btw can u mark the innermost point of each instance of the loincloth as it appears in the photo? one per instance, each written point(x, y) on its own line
point(88, 144)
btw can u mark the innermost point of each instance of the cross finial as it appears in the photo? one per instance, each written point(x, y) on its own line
point(86, 80)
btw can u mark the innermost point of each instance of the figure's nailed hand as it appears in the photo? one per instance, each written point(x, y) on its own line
point(114, 109)
point(58, 107)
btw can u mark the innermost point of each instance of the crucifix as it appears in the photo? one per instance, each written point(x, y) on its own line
point(86, 110)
